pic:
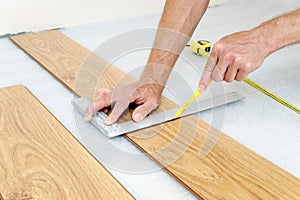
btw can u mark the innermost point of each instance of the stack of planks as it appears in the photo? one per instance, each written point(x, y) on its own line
point(230, 171)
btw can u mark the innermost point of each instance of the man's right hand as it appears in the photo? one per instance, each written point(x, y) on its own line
point(233, 58)
point(144, 94)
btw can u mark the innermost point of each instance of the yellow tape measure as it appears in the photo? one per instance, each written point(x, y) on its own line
point(190, 101)
point(202, 48)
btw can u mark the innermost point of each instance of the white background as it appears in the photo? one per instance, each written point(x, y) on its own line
point(32, 15)
point(35, 15)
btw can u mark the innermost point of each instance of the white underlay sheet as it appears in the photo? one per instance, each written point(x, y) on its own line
point(257, 122)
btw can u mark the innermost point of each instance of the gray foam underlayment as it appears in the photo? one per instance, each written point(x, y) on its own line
point(257, 122)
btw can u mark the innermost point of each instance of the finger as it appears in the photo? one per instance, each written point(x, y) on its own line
point(89, 112)
point(219, 71)
point(143, 110)
point(231, 72)
point(240, 76)
point(104, 100)
point(94, 107)
point(105, 110)
point(116, 112)
point(103, 92)
point(207, 72)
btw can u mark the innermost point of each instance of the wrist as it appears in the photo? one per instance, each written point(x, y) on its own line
point(155, 74)
point(279, 32)
point(263, 40)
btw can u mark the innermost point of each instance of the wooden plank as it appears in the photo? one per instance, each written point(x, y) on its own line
point(40, 159)
point(230, 171)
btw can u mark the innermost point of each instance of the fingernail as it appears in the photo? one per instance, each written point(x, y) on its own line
point(108, 121)
point(88, 117)
point(202, 87)
point(138, 117)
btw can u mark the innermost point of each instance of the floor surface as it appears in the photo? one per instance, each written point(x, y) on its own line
point(258, 122)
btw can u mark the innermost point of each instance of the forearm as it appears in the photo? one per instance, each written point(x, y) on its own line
point(279, 32)
point(177, 24)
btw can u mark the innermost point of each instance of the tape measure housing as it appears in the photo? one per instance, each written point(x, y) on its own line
point(200, 47)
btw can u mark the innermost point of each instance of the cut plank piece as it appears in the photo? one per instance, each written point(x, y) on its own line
point(230, 171)
point(40, 159)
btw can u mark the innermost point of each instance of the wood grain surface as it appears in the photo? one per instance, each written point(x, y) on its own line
point(229, 171)
point(40, 159)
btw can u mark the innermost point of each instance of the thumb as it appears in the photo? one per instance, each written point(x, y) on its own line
point(143, 110)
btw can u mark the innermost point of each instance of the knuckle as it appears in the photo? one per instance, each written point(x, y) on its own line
point(218, 46)
point(106, 90)
point(227, 55)
point(246, 68)
point(248, 65)
point(238, 60)
point(103, 91)
point(135, 95)
point(100, 93)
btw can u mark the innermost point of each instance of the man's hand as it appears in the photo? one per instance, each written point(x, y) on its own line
point(236, 55)
point(146, 95)
point(178, 22)
point(233, 58)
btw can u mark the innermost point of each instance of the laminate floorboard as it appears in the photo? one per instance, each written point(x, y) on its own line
point(40, 159)
point(229, 171)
